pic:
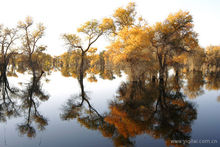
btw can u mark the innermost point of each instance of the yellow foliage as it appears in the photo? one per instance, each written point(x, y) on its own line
point(92, 50)
point(125, 125)
point(108, 24)
point(131, 45)
point(92, 79)
point(125, 17)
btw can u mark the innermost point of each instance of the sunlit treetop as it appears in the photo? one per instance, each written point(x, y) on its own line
point(181, 17)
point(122, 17)
point(72, 40)
point(26, 23)
point(30, 37)
point(176, 30)
point(89, 33)
point(108, 25)
point(125, 16)
point(7, 40)
point(90, 28)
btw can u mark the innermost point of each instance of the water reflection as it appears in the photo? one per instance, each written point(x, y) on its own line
point(195, 83)
point(156, 108)
point(30, 97)
point(8, 107)
point(213, 82)
point(25, 100)
point(75, 107)
point(23, 103)
point(146, 105)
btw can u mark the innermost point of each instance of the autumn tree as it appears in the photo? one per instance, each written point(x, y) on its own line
point(130, 47)
point(7, 52)
point(7, 48)
point(70, 63)
point(213, 58)
point(106, 67)
point(92, 31)
point(172, 37)
point(121, 18)
point(33, 58)
point(31, 46)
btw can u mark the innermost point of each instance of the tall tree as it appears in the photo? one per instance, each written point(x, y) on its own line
point(174, 36)
point(91, 31)
point(213, 58)
point(7, 48)
point(130, 45)
point(30, 43)
point(7, 51)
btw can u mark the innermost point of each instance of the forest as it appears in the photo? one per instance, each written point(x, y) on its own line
point(157, 60)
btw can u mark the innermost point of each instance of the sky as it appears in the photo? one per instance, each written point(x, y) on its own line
point(65, 16)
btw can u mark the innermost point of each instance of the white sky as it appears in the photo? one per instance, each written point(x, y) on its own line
point(65, 16)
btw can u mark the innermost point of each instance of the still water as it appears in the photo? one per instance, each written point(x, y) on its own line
point(113, 120)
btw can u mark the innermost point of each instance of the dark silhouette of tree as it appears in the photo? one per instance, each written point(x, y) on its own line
point(79, 107)
point(8, 103)
point(7, 48)
point(30, 44)
point(172, 37)
point(155, 109)
point(8, 107)
point(92, 30)
point(30, 100)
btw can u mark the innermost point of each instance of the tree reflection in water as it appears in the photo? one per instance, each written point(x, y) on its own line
point(159, 109)
point(30, 98)
point(8, 107)
point(23, 103)
point(152, 101)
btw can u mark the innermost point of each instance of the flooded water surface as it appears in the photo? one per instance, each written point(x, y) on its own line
point(54, 110)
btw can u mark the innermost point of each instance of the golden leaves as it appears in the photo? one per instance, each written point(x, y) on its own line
point(24, 24)
point(92, 50)
point(132, 43)
point(39, 31)
point(72, 40)
point(90, 28)
point(179, 18)
point(125, 125)
point(108, 25)
point(125, 17)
